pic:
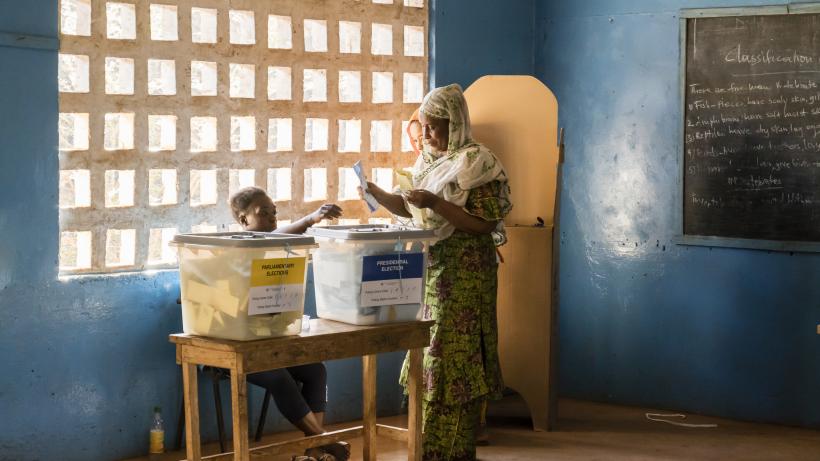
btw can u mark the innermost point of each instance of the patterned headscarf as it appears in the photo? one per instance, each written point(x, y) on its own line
point(448, 103)
point(464, 166)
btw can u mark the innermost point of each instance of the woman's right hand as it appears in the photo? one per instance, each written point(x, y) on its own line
point(374, 190)
point(393, 202)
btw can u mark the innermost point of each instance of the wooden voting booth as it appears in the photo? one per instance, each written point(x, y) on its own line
point(517, 117)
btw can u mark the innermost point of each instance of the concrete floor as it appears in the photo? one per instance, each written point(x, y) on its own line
point(591, 431)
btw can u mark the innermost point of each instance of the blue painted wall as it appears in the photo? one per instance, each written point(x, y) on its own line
point(715, 331)
point(85, 360)
point(476, 38)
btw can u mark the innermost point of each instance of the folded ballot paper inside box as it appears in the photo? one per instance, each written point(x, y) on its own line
point(242, 285)
point(370, 274)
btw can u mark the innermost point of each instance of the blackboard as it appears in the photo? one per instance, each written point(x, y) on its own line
point(751, 134)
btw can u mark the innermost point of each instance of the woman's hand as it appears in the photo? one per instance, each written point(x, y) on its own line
point(393, 202)
point(421, 198)
point(326, 211)
point(455, 214)
point(374, 190)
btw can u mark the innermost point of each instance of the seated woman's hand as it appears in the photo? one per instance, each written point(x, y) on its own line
point(421, 198)
point(326, 211)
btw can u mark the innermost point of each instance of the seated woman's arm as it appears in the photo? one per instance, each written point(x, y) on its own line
point(326, 211)
point(456, 215)
point(298, 227)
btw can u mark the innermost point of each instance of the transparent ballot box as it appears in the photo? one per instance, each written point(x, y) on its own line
point(370, 274)
point(242, 285)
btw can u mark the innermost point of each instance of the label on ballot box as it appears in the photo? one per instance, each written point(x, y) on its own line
point(277, 285)
point(392, 279)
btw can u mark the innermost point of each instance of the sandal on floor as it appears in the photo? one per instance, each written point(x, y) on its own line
point(318, 454)
point(339, 450)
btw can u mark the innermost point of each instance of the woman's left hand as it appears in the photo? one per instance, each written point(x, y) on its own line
point(421, 198)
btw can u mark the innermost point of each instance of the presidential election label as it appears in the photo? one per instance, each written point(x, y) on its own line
point(277, 285)
point(392, 279)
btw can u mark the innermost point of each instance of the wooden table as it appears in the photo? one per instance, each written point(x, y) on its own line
point(326, 340)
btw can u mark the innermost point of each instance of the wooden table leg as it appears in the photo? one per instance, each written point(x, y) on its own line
point(415, 388)
point(369, 410)
point(191, 396)
point(239, 415)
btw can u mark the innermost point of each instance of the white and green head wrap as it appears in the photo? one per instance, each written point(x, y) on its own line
point(466, 165)
point(448, 103)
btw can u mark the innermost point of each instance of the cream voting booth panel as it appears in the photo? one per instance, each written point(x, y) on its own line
point(517, 117)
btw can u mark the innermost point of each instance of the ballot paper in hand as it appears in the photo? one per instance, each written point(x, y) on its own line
point(372, 204)
point(405, 181)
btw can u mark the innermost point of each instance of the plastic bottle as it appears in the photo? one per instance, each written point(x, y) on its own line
point(157, 437)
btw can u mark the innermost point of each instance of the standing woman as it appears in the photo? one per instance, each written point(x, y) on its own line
point(462, 191)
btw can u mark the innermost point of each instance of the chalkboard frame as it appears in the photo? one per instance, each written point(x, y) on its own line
point(715, 241)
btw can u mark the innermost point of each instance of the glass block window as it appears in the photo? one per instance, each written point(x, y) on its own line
point(381, 39)
point(315, 35)
point(279, 83)
point(315, 85)
point(204, 188)
point(121, 20)
point(414, 40)
point(350, 86)
point(164, 22)
point(350, 135)
point(243, 134)
point(167, 107)
point(242, 28)
point(316, 134)
point(203, 25)
point(162, 133)
point(72, 73)
point(315, 184)
point(120, 247)
point(203, 134)
point(280, 35)
point(162, 77)
point(75, 17)
point(280, 135)
point(119, 76)
point(348, 183)
point(383, 177)
point(382, 87)
point(279, 184)
point(242, 80)
point(350, 37)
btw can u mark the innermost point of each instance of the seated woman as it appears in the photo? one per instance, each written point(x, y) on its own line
point(304, 408)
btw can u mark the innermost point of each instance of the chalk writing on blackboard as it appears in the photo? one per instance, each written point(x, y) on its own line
point(751, 163)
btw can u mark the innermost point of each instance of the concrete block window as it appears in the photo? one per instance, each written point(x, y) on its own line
point(169, 106)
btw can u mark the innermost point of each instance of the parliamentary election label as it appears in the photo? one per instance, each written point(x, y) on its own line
point(277, 285)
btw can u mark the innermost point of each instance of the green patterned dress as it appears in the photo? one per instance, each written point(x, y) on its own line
point(461, 367)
